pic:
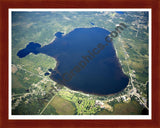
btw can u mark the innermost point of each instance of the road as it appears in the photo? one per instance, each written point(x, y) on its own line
point(135, 93)
point(47, 104)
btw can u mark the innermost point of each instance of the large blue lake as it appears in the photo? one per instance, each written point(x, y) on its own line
point(85, 61)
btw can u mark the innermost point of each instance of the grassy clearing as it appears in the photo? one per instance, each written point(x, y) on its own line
point(50, 111)
point(132, 108)
point(62, 106)
point(15, 82)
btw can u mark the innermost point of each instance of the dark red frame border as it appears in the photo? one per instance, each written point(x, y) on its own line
point(4, 43)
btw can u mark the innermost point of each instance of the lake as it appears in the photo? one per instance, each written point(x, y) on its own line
point(84, 61)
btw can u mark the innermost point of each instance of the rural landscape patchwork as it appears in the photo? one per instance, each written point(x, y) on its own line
point(80, 63)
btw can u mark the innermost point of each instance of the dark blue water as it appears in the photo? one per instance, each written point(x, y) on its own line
point(31, 47)
point(91, 23)
point(46, 74)
point(120, 12)
point(59, 34)
point(85, 62)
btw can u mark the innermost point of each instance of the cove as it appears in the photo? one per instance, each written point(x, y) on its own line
point(102, 74)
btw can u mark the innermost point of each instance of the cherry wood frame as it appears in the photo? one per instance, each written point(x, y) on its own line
point(4, 44)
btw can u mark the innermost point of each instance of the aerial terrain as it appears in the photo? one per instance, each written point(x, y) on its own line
point(63, 64)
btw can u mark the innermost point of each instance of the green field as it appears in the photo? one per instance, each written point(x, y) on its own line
point(50, 110)
point(62, 106)
point(132, 108)
point(15, 82)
